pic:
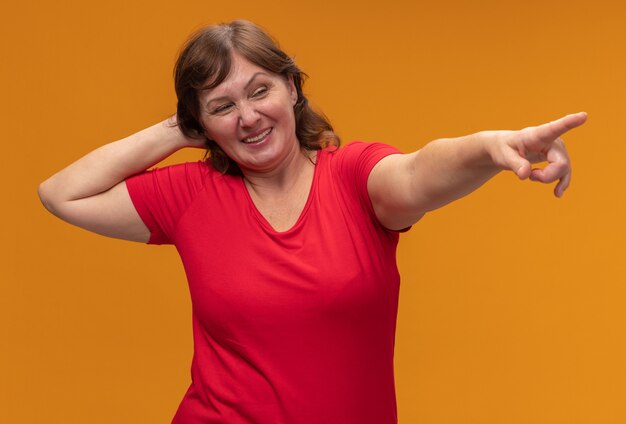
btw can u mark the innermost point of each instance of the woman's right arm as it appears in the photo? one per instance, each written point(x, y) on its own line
point(91, 192)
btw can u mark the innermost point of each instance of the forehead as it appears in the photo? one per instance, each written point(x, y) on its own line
point(241, 72)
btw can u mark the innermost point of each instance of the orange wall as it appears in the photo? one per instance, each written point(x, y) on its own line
point(512, 304)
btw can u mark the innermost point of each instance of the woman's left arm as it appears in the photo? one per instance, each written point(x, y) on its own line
point(404, 187)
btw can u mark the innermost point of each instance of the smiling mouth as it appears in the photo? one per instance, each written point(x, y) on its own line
point(258, 138)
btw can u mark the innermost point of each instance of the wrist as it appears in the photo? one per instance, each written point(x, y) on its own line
point(485, 145)
point(165, 136)
point(178, 138)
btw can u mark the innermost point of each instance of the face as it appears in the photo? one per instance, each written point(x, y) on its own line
point(250, 116)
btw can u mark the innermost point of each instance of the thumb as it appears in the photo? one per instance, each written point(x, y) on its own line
point(522, 168)
point(517, 163)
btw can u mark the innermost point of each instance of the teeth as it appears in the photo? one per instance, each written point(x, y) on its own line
point(258, 137)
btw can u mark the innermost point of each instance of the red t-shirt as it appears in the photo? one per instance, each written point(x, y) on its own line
point(291, 327)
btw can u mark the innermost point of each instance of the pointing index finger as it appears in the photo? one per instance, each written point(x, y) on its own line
point(555, 129)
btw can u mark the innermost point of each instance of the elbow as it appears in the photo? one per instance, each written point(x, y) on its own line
point(45, 196)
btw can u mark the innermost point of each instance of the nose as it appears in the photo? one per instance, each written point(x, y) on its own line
point(248, 115)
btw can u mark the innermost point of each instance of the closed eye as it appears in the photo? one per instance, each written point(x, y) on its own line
point(260, 92)
point(222, 108)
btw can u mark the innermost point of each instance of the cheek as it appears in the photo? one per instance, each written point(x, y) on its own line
point(219, 128)
point(282, 111)
point(291, 116)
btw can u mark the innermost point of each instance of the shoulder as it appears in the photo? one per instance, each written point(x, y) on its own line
point(178, 183)
point(162, 195)
point(349, 168)
point(194, 173)
point(359, 149)
point(359, 155)
point(198, 169)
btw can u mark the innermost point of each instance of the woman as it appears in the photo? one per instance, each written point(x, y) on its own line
point(288, 242)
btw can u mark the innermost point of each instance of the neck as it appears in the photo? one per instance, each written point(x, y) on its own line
point(297, 169)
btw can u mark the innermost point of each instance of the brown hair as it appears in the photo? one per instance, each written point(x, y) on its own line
point(205, 62)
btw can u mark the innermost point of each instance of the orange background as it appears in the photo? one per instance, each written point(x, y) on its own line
point(512, 302)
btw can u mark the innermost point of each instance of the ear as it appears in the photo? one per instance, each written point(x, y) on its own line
point(206, 132)
point(293, 93)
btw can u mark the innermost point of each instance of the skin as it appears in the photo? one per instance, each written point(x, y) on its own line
point(249, 103)
point(404, 187)
point(91, 192)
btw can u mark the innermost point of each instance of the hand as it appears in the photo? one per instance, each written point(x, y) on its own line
point(198, 141)
point(518, 150)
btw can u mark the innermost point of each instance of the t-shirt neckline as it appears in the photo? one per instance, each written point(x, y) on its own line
point(264, 222)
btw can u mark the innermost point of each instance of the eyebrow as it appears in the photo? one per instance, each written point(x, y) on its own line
point(245, 87)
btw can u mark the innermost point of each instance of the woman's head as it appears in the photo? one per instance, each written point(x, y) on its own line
point(206, 61)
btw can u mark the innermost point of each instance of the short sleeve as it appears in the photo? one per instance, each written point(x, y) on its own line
point(162, 195)
point(355, 162)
